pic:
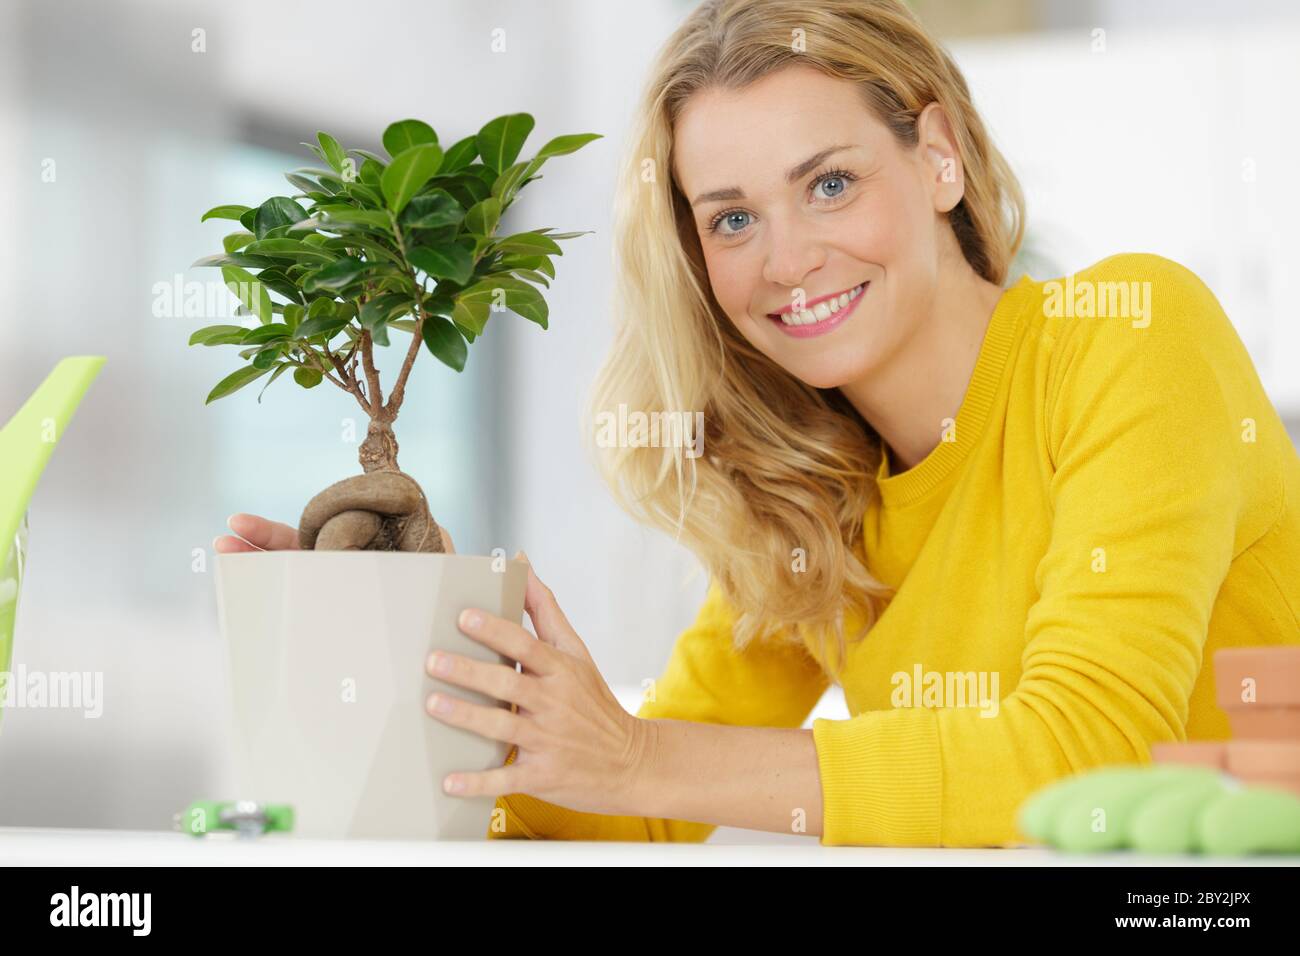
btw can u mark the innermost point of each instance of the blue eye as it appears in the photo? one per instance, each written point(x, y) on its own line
point(730, 215)
point(838, 178)
point(831, 180)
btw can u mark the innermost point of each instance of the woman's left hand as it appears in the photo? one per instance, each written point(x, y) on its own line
point(577, 746)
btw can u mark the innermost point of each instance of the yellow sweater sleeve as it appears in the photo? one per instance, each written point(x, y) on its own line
point(708, 681)
point(1143, 429)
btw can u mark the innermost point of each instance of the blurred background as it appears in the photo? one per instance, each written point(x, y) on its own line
point(1164, 127)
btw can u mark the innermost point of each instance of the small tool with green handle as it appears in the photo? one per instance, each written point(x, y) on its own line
point(244, 817)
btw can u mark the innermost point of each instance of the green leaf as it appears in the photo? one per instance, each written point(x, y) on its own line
point(276, 211)
point(471, 314)
point(303, 184)
point(500, 141)
point(372, 172)
point(482, 218)
point(460, 154)
point(515, 294)
point(251, 294)
point(266, 358)
point(505, 186)
point(532, 275)
point(275, 332)
point(432, 211)
point(332, 151)
point(529, 244)
point(446, 344)
point(233, 259)
point(224, 212)
point(336, 276)
point(237, 240)
point(381, 309)
point(364, 194)
point(289, 249)
point(541, 263)
point(565, 144)
point(465, 187)
point(277, 280)
point(348, 215)
point(409, 171)
point(234, 382)
point(274, 375)
point(402, 135)
point(374, 157)
point(226, 334)
point(448, 261)
point(293, 315)
point(307, 377)
point(322, 319)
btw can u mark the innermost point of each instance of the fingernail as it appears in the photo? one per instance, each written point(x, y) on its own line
point(524, 556)
point(470, 619)
point(230, 519)
point(453, 784)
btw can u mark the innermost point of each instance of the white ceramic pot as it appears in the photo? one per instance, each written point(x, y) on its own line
point(327, 657)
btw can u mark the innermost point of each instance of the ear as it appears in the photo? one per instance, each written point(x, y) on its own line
point(941, 161)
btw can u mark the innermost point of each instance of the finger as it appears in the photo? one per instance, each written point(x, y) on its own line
point(495, 723)
point(548, 620)
point(229, 544)
point(494, 680)
point(264, 533)
point(506, 637)
point(447, 546)
point(498, 782)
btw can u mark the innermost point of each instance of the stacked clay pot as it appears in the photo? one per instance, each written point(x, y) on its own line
point(1259, 689)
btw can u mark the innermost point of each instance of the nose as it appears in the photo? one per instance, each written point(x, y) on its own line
point(794, 252)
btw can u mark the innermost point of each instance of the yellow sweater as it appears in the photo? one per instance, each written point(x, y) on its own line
point(1118, 501)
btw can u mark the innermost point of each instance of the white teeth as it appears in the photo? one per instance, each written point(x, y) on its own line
point(822, 310)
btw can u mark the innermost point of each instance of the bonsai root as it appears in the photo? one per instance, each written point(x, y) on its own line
point(376, 511)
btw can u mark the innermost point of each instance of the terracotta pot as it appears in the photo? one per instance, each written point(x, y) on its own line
point(1266, 762)
point(1259, 689)
point(1200, 753)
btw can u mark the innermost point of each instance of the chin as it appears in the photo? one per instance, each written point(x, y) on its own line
point(826, 376)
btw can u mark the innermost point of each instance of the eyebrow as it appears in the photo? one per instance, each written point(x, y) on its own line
point(794, 173)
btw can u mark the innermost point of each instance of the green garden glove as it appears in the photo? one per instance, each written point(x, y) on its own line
point(1162, 808)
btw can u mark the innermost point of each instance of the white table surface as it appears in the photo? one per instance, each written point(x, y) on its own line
point(22, 846)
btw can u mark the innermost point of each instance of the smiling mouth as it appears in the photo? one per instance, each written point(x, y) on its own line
point(822, 311)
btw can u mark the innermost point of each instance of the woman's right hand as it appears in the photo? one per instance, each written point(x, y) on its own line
point(255, 533)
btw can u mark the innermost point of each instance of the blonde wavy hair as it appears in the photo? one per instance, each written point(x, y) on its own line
point(785, 465)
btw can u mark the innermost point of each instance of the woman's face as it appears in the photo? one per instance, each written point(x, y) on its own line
point(799, 193)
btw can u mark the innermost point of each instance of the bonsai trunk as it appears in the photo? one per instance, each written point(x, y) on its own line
point(382, 509)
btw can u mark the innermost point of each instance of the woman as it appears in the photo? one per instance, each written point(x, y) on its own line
point(1067, 494)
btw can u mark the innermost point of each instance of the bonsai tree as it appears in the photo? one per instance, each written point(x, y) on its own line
point(400, 245)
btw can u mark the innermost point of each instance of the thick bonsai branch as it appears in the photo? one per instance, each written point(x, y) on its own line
point(417, 335)
point(372, 374)
point(349, 382)
point(399, 388)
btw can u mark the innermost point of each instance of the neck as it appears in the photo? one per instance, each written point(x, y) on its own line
point(907, 399)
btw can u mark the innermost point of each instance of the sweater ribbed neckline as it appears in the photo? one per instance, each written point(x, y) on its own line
point(912, 485)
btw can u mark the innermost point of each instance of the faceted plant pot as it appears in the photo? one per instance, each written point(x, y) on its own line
point(327, 654)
